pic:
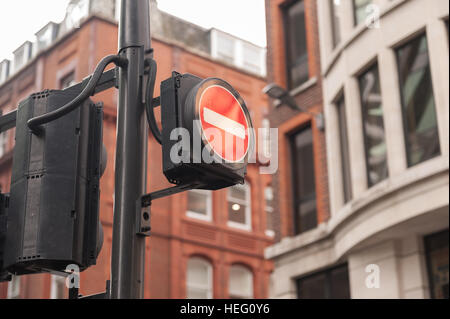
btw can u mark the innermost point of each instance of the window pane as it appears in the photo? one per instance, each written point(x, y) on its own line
point(236, 213)
point(198, 202)
point(252, 59)
point(3, 142)
point(335, 21)
point(373, 126)
point(340, 287)
point(437, 259)
point(241, 283)
point(360, 7)
point(313, 287)
point(67, 81)
point(225, 48)
point(239, 205)
point(14, 288)
point(238, 192)
point(304, 181)
point(268, 196)
point(297, 45)
point(328, 284)
point(422, 138)
point(58, 287)
point(345, 157)
point(199, 279)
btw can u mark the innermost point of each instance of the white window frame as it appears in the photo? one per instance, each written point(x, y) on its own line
point(22, 55)
point(239, 293)
point(208, 285)
point(3, 142)
point(57, 282)
point(254, 66)
point(14, 288)
point(269, 232)
point(248, 209)
point(196, 215)
point(5, 69)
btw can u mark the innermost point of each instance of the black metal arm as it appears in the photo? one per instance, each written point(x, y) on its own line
point(35, 123)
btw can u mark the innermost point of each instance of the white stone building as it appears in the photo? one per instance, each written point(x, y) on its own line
point(385, 70)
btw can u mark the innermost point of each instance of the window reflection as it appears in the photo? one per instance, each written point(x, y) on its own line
point(373, 126)
point(419, 111)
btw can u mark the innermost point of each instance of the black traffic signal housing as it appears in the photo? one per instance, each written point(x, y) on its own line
point(4, 275)
point(53, 217)
point(179, 95)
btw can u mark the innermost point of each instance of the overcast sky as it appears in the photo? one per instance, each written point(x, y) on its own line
point(21, 19)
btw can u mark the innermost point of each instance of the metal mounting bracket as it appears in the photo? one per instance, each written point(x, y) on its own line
point(143, 226)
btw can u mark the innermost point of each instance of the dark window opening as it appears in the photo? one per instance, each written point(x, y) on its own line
point(436, 249)
point(304, 186)
point(296, 44)
point(329, 284)
point(345, 152)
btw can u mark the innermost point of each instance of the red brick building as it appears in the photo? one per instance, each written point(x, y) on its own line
point(193, 234)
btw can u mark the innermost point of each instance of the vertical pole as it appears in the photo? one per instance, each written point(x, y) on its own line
point(128, 248)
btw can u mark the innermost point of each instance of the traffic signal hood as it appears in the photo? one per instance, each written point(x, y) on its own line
point(53, 218)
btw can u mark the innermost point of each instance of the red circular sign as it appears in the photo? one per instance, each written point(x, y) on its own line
point(224, 123)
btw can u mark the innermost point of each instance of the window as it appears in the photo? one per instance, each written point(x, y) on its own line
point(14, 288)
point(329, 284)
point(199, 279)
point(305, 217)
point(4, 70)
point(419, 112)
point(67, 81)
point(58, 287)
point(76, 11)
point(239, 209)
point(297, 50)
point(345, 153)
point(265, 124)
point(252, 59)
point(225, 48)
point(436, 248)
point(46, 36)
point(241, 283)
point(335, 21)
point(3, 143)
point(199, 204)
point(268, 197)
point(373, 126)
point(3, 140)
point(22, 55)
point(360, 10)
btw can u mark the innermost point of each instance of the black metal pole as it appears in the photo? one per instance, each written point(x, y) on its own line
point(128, 248)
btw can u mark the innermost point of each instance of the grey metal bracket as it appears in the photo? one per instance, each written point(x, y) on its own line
point(143, 226)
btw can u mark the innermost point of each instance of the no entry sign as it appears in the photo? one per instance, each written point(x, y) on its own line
point(207, 134)
point(224, 123)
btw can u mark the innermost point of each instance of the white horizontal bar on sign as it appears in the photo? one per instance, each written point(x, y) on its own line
point(224, 123)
